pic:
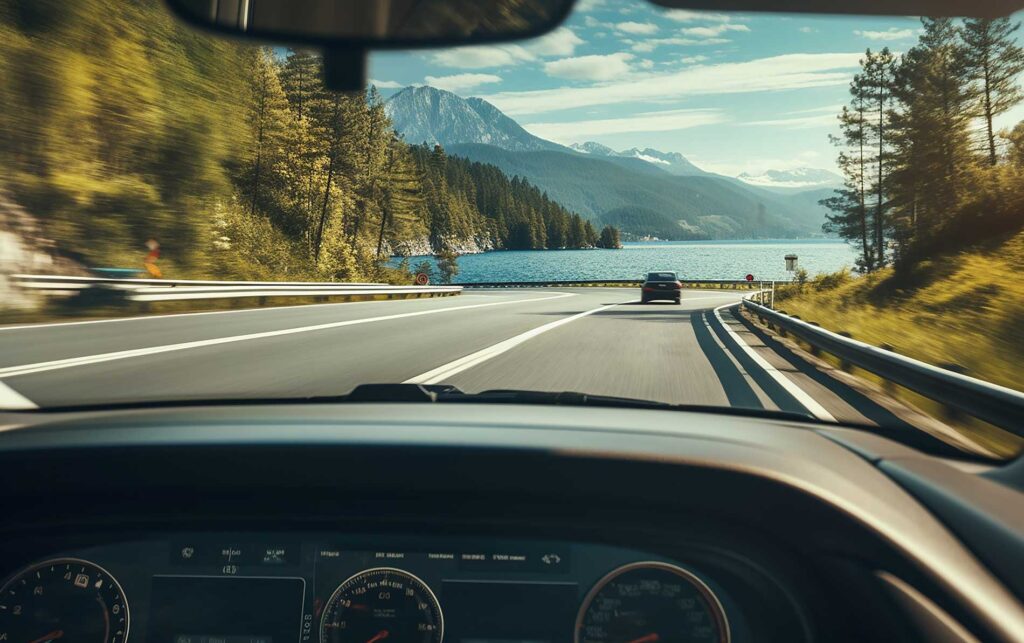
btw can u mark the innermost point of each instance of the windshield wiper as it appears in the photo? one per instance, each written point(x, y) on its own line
point(449, 393)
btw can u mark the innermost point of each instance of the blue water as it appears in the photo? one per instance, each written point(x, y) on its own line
point(691, 259)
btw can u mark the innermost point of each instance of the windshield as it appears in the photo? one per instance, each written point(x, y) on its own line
point(186, 217)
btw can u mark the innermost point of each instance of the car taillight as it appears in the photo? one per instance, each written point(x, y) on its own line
point(648, 289)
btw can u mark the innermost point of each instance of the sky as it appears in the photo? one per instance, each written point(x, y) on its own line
point(733, 93)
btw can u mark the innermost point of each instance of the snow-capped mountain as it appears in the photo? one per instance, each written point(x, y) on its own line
point(671, 162)
point(590, 147)
point(674, 162)
point(435, 116)
point(802, 178)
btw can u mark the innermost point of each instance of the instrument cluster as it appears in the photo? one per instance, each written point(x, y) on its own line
point(324, 588)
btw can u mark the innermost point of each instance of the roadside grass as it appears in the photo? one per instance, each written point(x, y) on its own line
point(964, 312)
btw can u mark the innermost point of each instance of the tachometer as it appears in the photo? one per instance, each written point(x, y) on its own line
point(65, 599)
point(382, 603)
point(651, 603)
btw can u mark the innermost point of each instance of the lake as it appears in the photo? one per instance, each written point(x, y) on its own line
point(691, 259)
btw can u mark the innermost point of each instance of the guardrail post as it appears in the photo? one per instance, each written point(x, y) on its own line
point(948, 410)
point(843, 364)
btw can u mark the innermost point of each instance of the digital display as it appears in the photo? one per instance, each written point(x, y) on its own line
point(509, 612)
point(201, 609)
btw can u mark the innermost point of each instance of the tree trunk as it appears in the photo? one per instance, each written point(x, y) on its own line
point(879, 226)
point(323, 212)
point(988, 116)
point(869, 262)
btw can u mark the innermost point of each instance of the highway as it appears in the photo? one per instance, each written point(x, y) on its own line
point(592, 340)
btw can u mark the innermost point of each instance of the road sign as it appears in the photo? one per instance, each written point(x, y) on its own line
point(422, 279)
point(750, 277)
point(791, 262)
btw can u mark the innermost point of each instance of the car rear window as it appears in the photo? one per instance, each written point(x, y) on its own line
point(661, 276)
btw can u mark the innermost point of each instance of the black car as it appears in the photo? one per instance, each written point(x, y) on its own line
point(661, 285)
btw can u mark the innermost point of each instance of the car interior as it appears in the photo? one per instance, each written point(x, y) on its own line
point(418, 514)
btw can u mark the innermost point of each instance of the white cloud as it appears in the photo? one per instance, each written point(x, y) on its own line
point(481, 57)
point(386, 84)
point(892, 33)
point(638, 28)
point(713, 31)
point(800, 122)
point(652, 43)
point(597, 68)
point(790, 71)
point(686, 15)
point(591, 21)
point(460, 82)
point(806, 29)
point(560, 42)
point(646, 64)
point(587, 5)
point(646, 122)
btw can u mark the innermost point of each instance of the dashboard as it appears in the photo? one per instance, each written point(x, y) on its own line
point(470, 523)
point(329, 587)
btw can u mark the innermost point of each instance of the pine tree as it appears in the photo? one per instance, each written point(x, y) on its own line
point(994, 61)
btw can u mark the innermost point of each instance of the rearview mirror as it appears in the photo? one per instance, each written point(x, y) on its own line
point(373, 24)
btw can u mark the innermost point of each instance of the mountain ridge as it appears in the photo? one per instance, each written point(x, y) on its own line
point(594, 180)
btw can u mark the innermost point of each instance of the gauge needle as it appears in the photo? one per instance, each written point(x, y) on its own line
point(52, 636)
point(383, 634)
point(650, 638)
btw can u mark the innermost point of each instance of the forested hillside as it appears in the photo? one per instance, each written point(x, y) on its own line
point(927, 170)
point(710, 206)
point(120, 125)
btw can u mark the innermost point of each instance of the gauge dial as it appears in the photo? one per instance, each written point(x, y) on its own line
point(64, 599)
point(651, 603)
point(382, 603)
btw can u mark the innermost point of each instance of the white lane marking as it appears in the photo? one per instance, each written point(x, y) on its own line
point(801, 396)
point(11, 400)
point(445, 371)
point(217, 312)
point(40, 367)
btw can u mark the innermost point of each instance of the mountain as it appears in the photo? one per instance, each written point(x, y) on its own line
point(434, 116)
point(675, 198)
point(671, 162)
point(803, 178)
point(590, 147)
point(702, 206)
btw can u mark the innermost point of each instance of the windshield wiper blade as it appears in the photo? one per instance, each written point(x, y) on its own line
point(449, 393)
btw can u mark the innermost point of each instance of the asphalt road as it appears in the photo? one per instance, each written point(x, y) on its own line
point(592, 340)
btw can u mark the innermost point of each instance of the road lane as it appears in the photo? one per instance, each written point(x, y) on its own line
point(41, 343)
point(645, 351)
point(324, 362)
point(592, 340)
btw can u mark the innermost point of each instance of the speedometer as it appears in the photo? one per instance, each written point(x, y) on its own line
point(651, 602)
point(382, 603)
point(63, 599)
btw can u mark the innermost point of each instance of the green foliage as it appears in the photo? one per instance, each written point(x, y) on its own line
point(637, 221)
point(447, 264)
point(918, 181)
point(609, 238)
point(121, 124)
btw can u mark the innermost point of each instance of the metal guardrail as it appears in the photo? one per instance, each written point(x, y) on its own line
point(997, 405)
point(602, 282)
point(153, 290)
